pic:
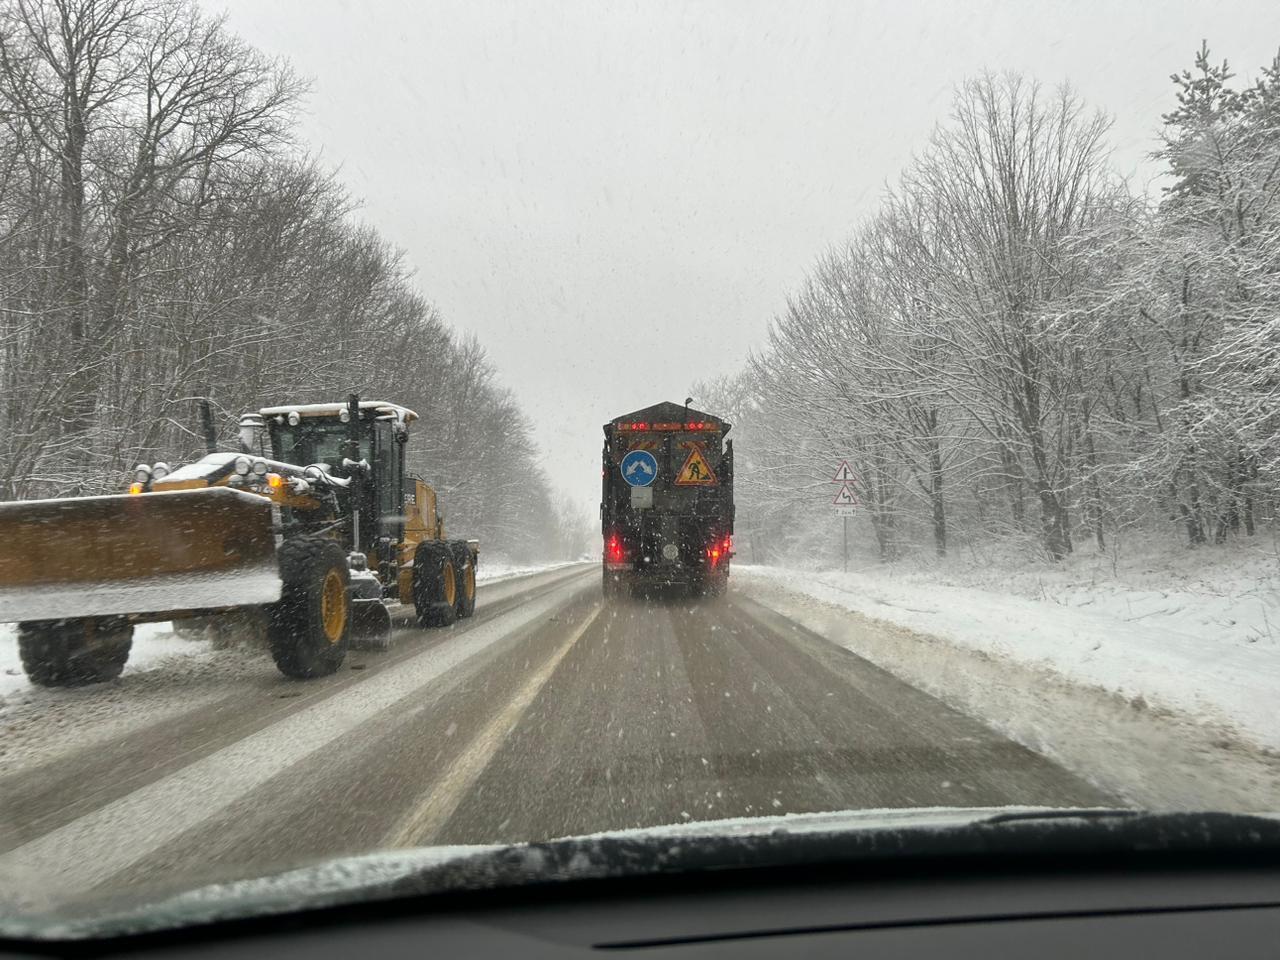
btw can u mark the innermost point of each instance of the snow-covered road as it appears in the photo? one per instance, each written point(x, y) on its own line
point(552, 712)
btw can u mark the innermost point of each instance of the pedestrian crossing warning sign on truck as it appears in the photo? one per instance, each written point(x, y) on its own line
point(696, 472)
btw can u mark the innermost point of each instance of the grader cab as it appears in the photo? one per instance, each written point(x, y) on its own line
point(315, 525)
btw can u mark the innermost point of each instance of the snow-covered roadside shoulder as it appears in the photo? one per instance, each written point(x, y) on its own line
point(154, 644)
point(499, 570)
point(1134, 747)
point(1210, 674)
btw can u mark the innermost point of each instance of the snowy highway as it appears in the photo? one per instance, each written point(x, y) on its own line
point(552, 712)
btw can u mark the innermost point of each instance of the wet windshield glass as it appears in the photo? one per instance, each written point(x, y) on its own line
point(767, 410)
point(310, 443)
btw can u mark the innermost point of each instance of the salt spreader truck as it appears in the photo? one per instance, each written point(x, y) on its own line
point(666, 510)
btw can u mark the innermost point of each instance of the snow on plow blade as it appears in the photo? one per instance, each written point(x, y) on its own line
point(144, 553)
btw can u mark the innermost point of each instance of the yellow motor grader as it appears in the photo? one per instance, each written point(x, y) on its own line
point(314, 524)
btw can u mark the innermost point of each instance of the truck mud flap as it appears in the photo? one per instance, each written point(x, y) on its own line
point(136, 554)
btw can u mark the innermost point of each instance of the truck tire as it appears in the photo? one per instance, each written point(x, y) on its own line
point(435, 585)
point(464, 562)
point(309, 628)
point(72, 653)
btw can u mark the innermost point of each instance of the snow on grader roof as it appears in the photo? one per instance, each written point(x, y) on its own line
point(333, 409)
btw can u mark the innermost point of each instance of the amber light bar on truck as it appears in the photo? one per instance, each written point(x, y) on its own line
point(691, 425)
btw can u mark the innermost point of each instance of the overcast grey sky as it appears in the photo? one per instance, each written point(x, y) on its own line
point(617, 197)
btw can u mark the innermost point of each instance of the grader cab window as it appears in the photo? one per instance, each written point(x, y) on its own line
point(316, 442)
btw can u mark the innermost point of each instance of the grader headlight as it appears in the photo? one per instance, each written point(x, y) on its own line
point(242, 466)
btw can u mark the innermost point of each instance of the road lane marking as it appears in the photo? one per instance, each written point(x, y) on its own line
point(423, 823)
point(133, 719)
point(92, 848)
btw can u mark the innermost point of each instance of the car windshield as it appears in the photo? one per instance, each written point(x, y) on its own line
point(767, 411)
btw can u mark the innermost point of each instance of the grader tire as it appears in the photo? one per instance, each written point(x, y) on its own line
point(435, 585)
point(309, 628)
point(464, 562)
point(73, 653)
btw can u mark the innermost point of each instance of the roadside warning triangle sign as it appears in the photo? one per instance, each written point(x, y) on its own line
point(843, 473)
point(696, 472)
point(845, 497)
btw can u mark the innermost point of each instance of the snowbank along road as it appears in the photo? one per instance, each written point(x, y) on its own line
point(553, 712)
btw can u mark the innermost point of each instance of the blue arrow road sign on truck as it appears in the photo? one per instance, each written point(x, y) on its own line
point(639, 468)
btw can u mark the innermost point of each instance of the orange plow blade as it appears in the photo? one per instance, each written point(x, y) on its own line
point(136, 554)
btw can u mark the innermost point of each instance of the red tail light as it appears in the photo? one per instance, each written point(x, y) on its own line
point(614, 550)
point(720, 548)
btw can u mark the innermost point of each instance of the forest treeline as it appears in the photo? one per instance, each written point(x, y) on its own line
point(165, 237)
point(1018, 344)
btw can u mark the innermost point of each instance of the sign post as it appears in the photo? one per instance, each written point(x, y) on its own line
point(845, 503)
